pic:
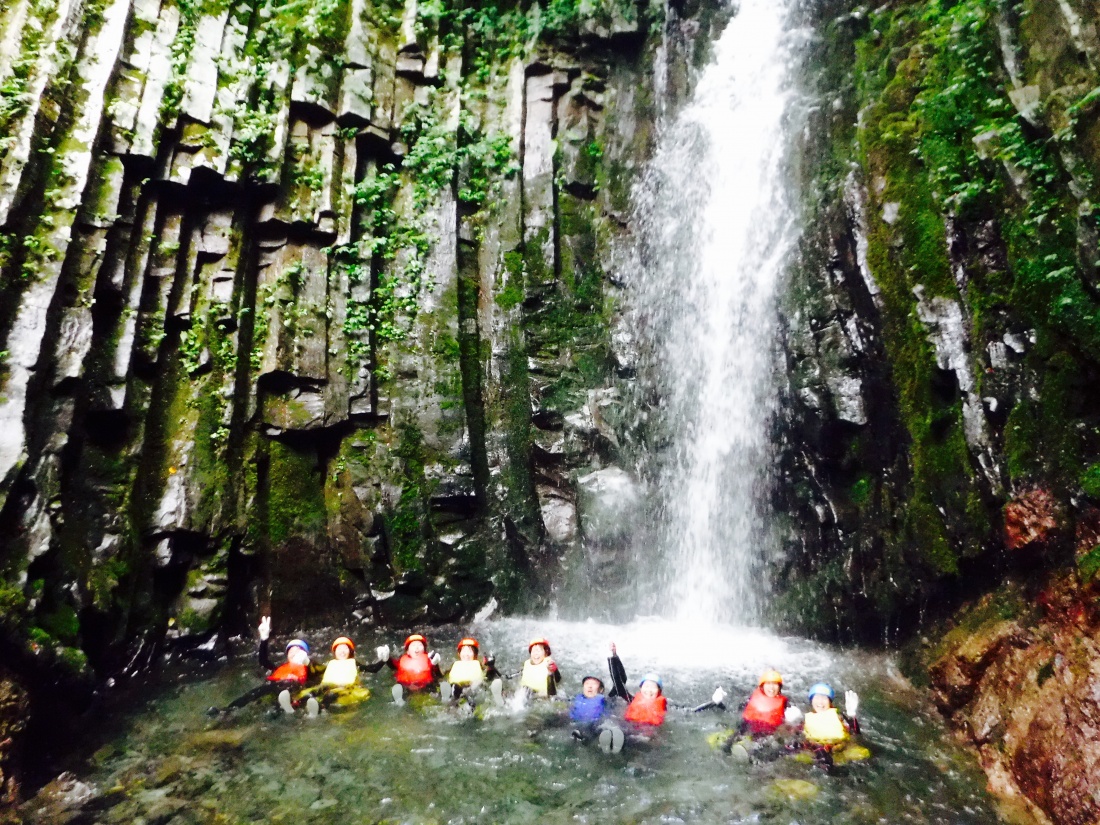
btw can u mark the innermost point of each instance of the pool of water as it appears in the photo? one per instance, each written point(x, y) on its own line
point(165, 761)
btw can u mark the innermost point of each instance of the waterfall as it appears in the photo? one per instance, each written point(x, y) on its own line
point(716, 224)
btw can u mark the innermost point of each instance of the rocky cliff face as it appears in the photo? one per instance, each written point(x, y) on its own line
point(309, 308)
point(305, 308)
point(942, 330)
point(1019, 677)
point(939, 431)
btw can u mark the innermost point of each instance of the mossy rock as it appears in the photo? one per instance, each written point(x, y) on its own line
point(793, 790)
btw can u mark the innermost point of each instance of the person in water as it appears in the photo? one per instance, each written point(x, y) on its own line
point(649, 705)
point(297, 672)
point(540, 675)
point(825, 727)
point(648, 708)
point(468, 675)
point(767, 708)
point(416, 670)
point(589, 711)
point(340, 675)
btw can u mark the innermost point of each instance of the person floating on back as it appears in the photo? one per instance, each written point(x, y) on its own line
point(589, 710)
point(416, 670)
point(767, 708)
point(338, 682)
point(292, 675)
point(825, 728)
point(648, 707)
point(468, 676)
point(540, 675)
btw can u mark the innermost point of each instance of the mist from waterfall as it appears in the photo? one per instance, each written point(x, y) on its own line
point(715, 226)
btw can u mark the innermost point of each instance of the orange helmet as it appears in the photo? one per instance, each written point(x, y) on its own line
point(771, 676)
point(539, 641)
point(416, 637)
point(468, 642)
point(343, 640)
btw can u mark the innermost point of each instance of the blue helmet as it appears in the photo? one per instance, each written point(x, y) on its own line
point(652, 677)
point(822, 689)
point(297, 643)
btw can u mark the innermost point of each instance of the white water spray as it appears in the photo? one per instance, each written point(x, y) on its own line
point(716, 225)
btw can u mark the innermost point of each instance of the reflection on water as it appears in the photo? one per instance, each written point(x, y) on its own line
point(170, 763)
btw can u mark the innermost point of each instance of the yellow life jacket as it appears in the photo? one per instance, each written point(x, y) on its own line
point(340, 673)
point(467, 674)
point(536, 677)
point(825, 727)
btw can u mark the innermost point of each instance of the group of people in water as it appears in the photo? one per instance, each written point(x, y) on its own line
point(473, 679)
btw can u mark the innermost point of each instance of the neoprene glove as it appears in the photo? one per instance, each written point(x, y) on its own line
point(433, 657)
point(851, 703)
point(382, 652)
point(792, 715)
point(265, 628)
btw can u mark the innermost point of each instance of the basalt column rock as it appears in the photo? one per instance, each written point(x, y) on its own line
point(303, 310)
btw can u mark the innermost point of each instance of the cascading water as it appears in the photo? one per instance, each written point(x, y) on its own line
point(715, 225)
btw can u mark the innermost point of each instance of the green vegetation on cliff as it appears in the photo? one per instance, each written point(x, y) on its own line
point(970, 123)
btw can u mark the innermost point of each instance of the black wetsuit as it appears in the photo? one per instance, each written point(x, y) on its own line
point(270, 688)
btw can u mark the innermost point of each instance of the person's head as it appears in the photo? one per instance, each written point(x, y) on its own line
point(538, 649)
point(416, 645)
point(771, 683)
point(591, 686)
point(821, 697)
point(343, 648)
point(651, 686)
point(467, 649)
point(297, 652)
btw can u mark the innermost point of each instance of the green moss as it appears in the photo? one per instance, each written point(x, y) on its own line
point(62, 623)
point(512, 293)
point(1090, 481)
point(1089, 564)
point(1041, 440)
point(12, 600)
point(407, 524)
point(295, 498)
point(860, 492)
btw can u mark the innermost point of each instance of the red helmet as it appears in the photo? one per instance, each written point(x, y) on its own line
point(539, 641)
point(416, 637)
point(343, 640)
point(468, 642)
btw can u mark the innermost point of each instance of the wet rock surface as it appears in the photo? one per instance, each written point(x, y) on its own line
point(1024, 692)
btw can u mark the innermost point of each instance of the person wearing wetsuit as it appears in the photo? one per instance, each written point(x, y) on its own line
point(540, 674)
point(767, 708)
point(825, 727)
point(294, 674)
point(589, 709)
point(416, 670)
point(341, 674)
point(647, 709)
point(468, 675)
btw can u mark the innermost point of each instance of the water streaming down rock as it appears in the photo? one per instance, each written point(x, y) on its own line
point(716, 223)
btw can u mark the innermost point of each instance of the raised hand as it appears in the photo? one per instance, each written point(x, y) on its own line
point(718, 695)
point(851, 703)
point(792, 715)
point(433, 657)
point(265, 628)
point(382, 652)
